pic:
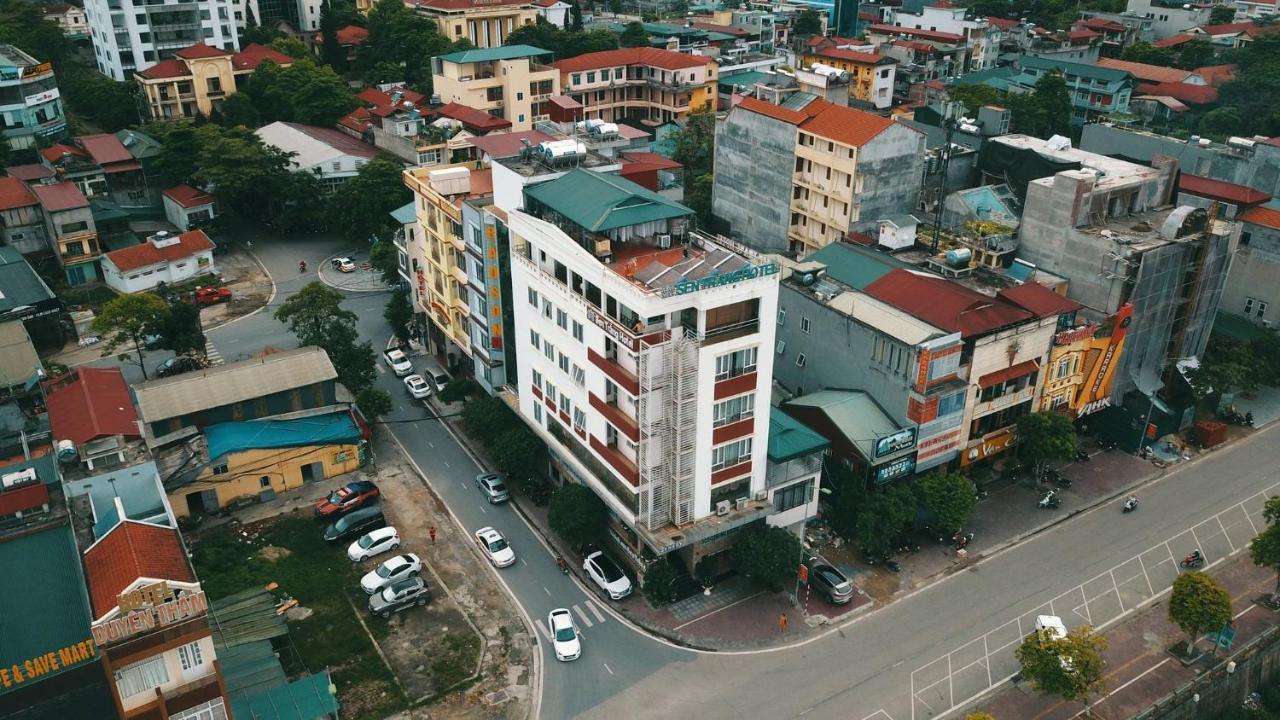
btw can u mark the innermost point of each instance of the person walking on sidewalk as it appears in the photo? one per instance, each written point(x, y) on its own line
point(782, 623)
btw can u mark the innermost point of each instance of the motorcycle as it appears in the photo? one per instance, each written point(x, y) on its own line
point(1129, 505)
point(962, 540)
point(564, 566)
point(1106, 443)
point(1082, 456)
point(1050, 501)
point(1193, 560)
point(302, 266)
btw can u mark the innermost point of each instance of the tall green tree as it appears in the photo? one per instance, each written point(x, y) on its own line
point(398, 314)
point(634, 35)
point(1221, 14)
point(374, 403)
point(577, 515)
point(768, 556)
point(1045, 437)
point(974, 96)
point(695, 143)
point(291, 46)
point(355, 362)
point(1195, 54)
point(312, 312)
point(127, 320)
point(575, 16)
point(949, 496)
point(179, 329)
point(1226, 367)
point(882, 515)
point(385, 258)
point(807, 23)
point(180, 148)
point(330, 50)
point(1198, 604)
point(363, 209)
point(1145, 52)
point(23, 24)
point(404, 39)
point(1070, 667)
point(1264, 550)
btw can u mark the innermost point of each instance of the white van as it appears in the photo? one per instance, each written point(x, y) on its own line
point(1053, 626)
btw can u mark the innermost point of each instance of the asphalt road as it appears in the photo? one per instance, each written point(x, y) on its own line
point(889, 664)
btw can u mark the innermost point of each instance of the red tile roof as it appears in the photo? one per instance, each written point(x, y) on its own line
point(945, 304)
point(665, 59)
point(1096, 23)
point(200, 50)
point(187, 196)
point(777, 112)
point(15, 194)
point(1191, 94)
point(92, 403)
point(1085, 34)
point(505, 145)
point(254, 54)
point(1145, 72)
point(1263, 216)
point(1173, 40)
point(650, 160)
point(462, 4)
point(145, 254)
point(26, 497)
point(61, 196)
point(29, 173)
point(717, 27)
point(817, 40)
point(917, 46)
point(545, 3)
point(55, 152)
point(1039, 300)
point(850, 55)
point(833, 122)
point(166, 69)
point(1000, 377)
point(129, 551)
point(1003, 23)
point(105, 149)
point(1217, 75)
point(1220, 190)
point(1226, 28)
point(473, 118)
point(357, 120)
point(376, 97)
point(934, 35)
point(352, 35)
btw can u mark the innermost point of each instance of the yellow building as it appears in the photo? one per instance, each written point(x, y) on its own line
point(438, 194)
point(506, 82)
point(486, 23)
point(871, 74)
point(199, 78)
point(246, 459)
point(1082, 365)
point(649, 84)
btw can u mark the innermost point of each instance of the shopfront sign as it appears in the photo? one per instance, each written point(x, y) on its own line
point(147, 608)
point(904, 439)
point(42, 97)
point(33, 70)
point(684, 287)
point(991, 445)
point(895, 469)
point(20, 673)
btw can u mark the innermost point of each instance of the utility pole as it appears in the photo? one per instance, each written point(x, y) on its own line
point(950, 112)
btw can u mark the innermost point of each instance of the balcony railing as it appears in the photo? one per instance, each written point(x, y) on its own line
point(1004, 401)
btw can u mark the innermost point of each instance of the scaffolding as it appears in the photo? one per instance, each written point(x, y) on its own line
point(667, 413)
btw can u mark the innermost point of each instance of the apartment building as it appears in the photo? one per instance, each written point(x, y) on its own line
point(1095, 90)
point(646, 84)
point(871, 74)
point(130, 35)
point(21, 220)
point(792, 179)
point(70, 231)
point(1251, 290)
point(489, 290)
point(485, 23)
point(506, 82)
point(302, 16)
point(981, 38)
point(1169, 18)
point(69, 18)
point(31, 110)
point(198, 79)
point(645, 360)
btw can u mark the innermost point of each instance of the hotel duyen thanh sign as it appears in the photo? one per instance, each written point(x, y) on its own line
point(147, 608)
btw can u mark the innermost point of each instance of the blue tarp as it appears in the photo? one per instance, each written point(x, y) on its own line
point(233, 437)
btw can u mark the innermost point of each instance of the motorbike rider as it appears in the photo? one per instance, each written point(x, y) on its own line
point(1131, 502)
point(1195, 557)
point(560, 563)
point(302, 266)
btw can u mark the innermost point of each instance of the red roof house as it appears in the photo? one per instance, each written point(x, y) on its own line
point(156, 251)
point(945, 304)
point(15, 194)
point(474, 120)
point(1039, 300)
point(128, 552)
point(91, 403)
point(1264, 216)
point(1240, 195)
point(60, 196)
point(254, 54)
point(187, 196)
point(665, 59)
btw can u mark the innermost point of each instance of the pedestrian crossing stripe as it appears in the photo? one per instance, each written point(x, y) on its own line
point(585, 620)
point(211, 353)
point(543, 627)
point(595, 611)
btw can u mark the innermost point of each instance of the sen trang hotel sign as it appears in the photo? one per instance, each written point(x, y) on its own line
point(150, 607)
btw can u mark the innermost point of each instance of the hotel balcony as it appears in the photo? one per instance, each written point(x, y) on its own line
point(1003, 402)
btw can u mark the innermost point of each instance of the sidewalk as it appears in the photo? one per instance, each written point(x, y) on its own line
point(1139, 670)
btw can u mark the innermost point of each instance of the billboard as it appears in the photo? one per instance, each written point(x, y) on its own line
point(1092, 353)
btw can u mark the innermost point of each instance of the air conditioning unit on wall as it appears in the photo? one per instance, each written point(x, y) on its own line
point(723, 507)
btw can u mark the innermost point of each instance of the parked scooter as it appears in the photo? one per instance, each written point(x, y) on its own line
point(1050, 501)
point(1106, 443)
point(1082, 456)
point(962, 539)
point(1193, 560)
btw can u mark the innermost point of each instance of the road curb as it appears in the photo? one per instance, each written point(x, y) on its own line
point(328, 262)
point(270, 298)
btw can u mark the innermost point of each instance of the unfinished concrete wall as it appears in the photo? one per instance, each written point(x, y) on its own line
point(890, 169)
point(755, 156)
point(1254, 270)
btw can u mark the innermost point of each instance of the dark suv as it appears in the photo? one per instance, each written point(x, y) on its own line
point(354, 524)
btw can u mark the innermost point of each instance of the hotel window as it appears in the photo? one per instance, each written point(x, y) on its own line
point(190, 655)
point(800, 360)
point(533, 297)
point(546, 308)
point(537, 413)
point(537, 379)
point(782, 316)
point(549, 350)
point(805, 324)
point(535, 339)
point(562, 319)
point(731, 454)
point(579, 419)
point(579, 375)
point(733, 409)
point(577, 331)
point(739, 362)
point(564, 363)
point(551, 393)
point(146, 675)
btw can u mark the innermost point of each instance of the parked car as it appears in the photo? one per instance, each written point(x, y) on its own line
point(564, 636)
point(830, 583)
point(344, 264)
point(179, 364)
point(495, 547)
point(355, 523)
point(495, 491)
point(436, 375)
point(349, 497)
point(211, 295)
point(400, 567)
point(400, 595)
point(397, 361)
point(1053, 627)
point(417, 387)
point(606, 573)
point(374, 542)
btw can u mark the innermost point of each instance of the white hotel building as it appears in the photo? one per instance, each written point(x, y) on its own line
point(645, 359)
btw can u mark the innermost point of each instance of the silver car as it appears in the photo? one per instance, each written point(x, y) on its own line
point(494, 489)
point(400, 595)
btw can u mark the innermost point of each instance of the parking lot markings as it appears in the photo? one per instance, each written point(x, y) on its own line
point(585, 620)
point(595, 611)
point(543, 627)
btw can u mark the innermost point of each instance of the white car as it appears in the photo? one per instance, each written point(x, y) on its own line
point(1053, 627)
point(398, 568)
point(417, 387)
point(398, 362)
point(375, 542)
point(564, 636)
point(607, 575)
point(346, 265)
point(495, 547)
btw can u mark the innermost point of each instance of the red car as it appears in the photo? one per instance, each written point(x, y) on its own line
point(347, 498)
point(211, 295)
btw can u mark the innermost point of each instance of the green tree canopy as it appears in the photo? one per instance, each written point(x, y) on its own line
point(808, 22)
point(399, 313)
point(1227, 367)
point(882, 515)
point(1198, 604)
point(562, 43)
point(127, 320)
point(1145, 52)
point(575, 16)
point(1255, 91)
point(577, 515)
point(402, 39)
point(291, 46)
point(363, 209)
point(949, 496)
point(330, 49)
point(373, 403)
point(1264, 550)
point(974, 96)
point(311, 313)
point(1045, 437)
point(385, 258)
point(768, 556)
point(1221, 14)
point(355, 361)
point(634, 35)
point(1069, 667)
point(179, 329)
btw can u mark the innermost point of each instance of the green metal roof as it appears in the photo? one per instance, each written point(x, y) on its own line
point(854, 265)
point(305, 699)
point(21, 284)
point(601, 202)
point(49, 614)
point(746, 77)
point(1077, 69)
point(405, 214)
point(854, 413)
point(789, 438)
point(506, 52)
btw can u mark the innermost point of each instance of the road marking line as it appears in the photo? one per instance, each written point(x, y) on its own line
point(1242, 612)
point(595, 611)
point(986, 653)
point(545, 632)
point(483, 510)
point(430, 444)
point(713, 612)
point(951, 688)
point(1141, 675)
point(545, 590)
point(446, 464)
point(1218, 517)
point(585, 620)
point(606, 667)
point(524, 562)
point(1116, 586)
point(1199, 545)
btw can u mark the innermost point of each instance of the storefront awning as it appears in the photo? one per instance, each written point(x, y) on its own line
point(1003, 376)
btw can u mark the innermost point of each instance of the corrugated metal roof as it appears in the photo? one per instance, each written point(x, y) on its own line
point(886, 318)
point(854, 413)
point(307, 698)
point(18, 360)
point(245, 617)
point(21, 285)
point(226, 384)
point(601, 202)
point(856, 266)
point(789, 438)
point(505, 52)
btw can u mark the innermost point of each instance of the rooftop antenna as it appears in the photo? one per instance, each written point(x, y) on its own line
point(951, 110)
